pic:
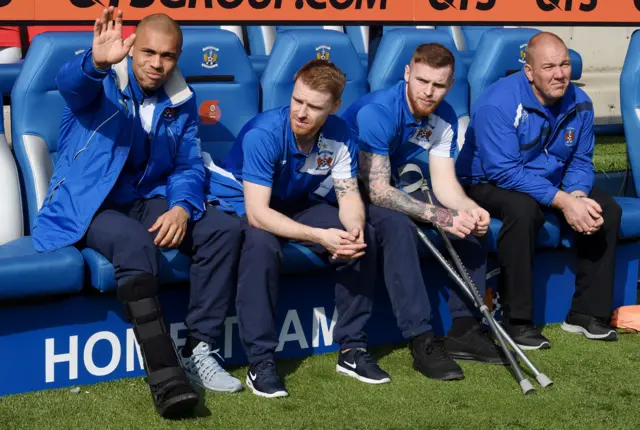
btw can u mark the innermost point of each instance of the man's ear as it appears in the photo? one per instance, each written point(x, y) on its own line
point(407, 71)
point(528, 70)
point(336, 106)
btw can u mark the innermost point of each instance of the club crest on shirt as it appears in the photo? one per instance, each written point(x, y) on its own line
point(169, 114)
point(569, 136)
point(421, 136)
point(325, 157)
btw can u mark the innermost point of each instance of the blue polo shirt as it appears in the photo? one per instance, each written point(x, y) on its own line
point(384, 125)
point(265, 153)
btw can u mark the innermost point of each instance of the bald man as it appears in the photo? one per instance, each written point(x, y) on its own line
point(129, 181)
point(529, 151)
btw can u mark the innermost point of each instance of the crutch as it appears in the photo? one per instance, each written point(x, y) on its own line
point(468, 287)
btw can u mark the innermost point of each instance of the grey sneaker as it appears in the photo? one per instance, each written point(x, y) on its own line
point(203, 367)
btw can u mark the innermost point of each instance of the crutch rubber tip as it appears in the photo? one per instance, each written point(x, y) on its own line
point(543, 380)
point(527, 387)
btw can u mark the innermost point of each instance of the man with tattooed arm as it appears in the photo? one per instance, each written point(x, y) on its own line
point(393, 126)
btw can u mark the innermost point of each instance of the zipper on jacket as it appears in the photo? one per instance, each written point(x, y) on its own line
point(53, 191)
point(175, 144)
point(92, 134)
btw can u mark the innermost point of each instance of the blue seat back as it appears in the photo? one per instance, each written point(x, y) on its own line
point(263, 37)
point(215, 64)
point(501, 52)
point(630, 104)
point(395, 52)
point(293, 49)
point(235, 29)
point(36, 108)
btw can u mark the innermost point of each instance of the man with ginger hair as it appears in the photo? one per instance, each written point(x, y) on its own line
point(279, 158)
point(529, 150)
point(394, 127)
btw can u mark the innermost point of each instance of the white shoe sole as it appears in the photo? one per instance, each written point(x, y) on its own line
point(261, 394)
point(197, 380)
point(533, 348)
point(353, 374)
point(581, 330)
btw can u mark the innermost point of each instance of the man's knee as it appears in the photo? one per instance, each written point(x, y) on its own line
point(611, 210)
point(522, 209)
point(261, 242)
point(218, 226)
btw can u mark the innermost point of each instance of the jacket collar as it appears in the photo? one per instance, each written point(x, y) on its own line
point(529, 99)
point(175, 88)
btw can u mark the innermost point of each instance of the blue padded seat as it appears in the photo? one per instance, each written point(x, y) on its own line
point(25, 272)
point(262, 38)
point(295, 48)
point(630, 105)
point(227, 90)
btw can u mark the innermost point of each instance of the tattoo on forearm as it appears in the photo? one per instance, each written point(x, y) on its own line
point(345, 186)
point(376, 174)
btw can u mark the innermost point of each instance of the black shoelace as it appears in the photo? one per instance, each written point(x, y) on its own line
point(363, 357)
point(437, 348)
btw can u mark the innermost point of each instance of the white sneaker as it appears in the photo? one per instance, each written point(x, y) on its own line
point(203, 367)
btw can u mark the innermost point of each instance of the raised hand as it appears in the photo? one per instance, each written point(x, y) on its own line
point(108, 46)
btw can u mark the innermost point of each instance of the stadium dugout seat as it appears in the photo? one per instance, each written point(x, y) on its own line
point(295, 48)
point(23, 271)
point(394, 52)
point(262, 39)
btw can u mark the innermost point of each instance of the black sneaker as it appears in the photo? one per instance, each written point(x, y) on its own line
point(527, 336)
point(592, 327)
point(359, 364)
point(264, 381)
point(431, 358)
point(475, 345)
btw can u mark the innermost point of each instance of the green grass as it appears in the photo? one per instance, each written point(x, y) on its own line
point(596, 386)
point(610, 154)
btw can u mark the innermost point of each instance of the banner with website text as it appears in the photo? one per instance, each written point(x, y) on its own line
point(334, 11)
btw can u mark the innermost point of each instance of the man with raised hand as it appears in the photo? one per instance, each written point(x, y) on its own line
point(529, 149)
point(393, 127)
point(129, 179)
point(279, 158)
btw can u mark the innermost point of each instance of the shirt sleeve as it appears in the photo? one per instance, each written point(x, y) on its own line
point(260, 157)
point(376, 130)
point(346, 164)
point(447, 144)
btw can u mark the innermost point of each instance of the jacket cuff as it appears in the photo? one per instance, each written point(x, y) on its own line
point(91, 70)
